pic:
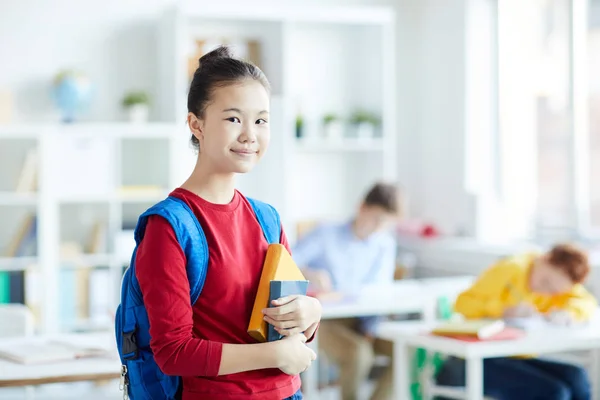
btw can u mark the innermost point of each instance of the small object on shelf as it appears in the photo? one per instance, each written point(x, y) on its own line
point(365, 123)
point(299, 126)
point(6, 106)
point(137, 106)
point(333, 128)
point(73, 93)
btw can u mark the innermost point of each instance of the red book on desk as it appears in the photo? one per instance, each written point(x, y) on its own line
point(507, 333)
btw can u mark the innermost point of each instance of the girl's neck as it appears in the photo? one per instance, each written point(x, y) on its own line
point(213, 187)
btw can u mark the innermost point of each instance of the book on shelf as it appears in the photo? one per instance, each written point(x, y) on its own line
point(280, 277)
point(23, 243)
point(27, 180)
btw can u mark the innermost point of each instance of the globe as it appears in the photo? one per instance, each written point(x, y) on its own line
point(72, 93)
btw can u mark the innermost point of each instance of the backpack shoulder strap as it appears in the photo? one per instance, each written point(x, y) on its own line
point(268, 218)
point(189, 234)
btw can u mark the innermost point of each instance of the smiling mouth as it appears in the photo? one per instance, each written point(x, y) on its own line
point(244, 152)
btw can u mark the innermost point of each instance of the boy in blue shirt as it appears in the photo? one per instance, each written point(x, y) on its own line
point(342, 258)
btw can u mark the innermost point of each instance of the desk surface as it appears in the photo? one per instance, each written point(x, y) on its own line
point(538, 340)
point(87, 369)
point(404, 296)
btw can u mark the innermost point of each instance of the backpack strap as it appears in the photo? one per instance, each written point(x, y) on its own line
point(189, 234)
point(268, 218)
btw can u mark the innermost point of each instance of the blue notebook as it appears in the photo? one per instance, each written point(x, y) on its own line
point(281, 289)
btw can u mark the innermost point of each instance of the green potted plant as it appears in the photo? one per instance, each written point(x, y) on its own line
point(136, 104)
point(365, 123)
point(333, 127)
point(299, 126)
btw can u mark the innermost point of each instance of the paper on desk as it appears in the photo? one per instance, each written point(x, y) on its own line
point(28, 351)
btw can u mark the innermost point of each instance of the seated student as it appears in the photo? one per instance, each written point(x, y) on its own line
point(341, 258)
point(546, 286)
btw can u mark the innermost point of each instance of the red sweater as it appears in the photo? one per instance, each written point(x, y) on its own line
point(187, 340)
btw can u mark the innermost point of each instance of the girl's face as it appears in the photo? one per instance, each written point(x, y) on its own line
point(234, 131)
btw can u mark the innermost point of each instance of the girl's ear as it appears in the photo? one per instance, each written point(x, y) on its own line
point(196, 126)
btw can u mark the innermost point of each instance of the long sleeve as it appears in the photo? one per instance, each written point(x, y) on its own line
point(160, 270)
point(384, 265)
point(579, 301)
point(483, 299)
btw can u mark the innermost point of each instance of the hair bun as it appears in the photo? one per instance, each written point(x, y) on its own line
point(219, 52)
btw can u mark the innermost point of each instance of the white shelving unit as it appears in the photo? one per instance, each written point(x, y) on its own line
point(320, 60)
point(79, 199)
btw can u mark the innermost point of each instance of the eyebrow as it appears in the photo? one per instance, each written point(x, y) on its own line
point(237, 110)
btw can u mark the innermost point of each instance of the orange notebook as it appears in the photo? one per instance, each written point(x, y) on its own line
point(278, 266)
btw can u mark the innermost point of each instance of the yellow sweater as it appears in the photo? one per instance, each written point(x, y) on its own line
point(505, 284)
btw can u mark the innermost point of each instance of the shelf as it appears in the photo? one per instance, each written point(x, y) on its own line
point(85, 199)
point(291, 13)
point(18, 199)
point(344, 145)
point(108, 129)
point(141, 198)
point(20, 131)
point(88, 325)
point(16, 263)
point(87, 261)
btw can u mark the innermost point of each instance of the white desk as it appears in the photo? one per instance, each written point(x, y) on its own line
point(85, 369)
point(404, 296)
point(407, 335)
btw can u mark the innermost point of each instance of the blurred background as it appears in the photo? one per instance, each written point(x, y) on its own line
point(485, 112)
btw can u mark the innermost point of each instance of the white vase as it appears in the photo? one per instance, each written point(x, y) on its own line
point(333, 131)
point(138, 113)
point(365, 130)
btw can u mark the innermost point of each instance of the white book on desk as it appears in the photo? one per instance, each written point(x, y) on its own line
point(30, 351)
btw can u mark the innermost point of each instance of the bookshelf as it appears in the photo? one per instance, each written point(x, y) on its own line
point(64, 213)
point(86, 184)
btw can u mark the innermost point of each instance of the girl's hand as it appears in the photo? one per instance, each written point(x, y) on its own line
point(294, 314)
point(293, 355)
point(560, 317)
point(521, 310)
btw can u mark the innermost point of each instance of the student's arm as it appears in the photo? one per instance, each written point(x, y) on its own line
point(160, 269)
point(308, 248)
point(384, 266)
point(579, 302)
point(307, 252)
point(483, 299)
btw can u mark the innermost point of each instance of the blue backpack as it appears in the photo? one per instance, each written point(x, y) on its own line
point(141, 378)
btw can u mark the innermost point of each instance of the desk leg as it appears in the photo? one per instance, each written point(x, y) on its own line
point(310, 378)
point(594, 373)
point(401, 370)
point(474, 378)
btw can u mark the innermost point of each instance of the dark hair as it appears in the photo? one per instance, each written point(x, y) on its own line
point(385, 196)
point(218, 68)
point(570, 259)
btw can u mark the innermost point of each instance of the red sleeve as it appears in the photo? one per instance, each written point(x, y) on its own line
point(160, 270)
point(283, 240)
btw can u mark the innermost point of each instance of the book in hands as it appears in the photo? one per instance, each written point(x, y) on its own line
point(278, 267)
point(281, 289)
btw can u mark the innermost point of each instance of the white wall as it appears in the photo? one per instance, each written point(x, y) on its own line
point(114, 42)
